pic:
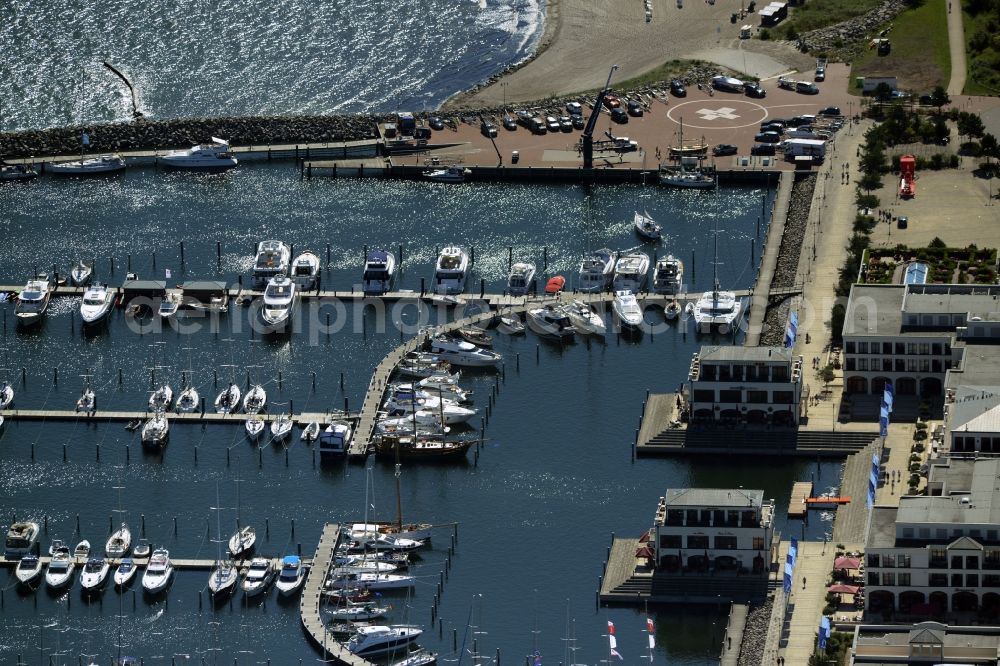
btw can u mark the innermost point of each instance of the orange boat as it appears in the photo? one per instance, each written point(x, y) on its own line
point(555, 284)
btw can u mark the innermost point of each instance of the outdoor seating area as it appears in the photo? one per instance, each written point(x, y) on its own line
point(845, 592)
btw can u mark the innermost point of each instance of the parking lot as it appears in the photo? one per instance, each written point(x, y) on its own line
point(720, 117)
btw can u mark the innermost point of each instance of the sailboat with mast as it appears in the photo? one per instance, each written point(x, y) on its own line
point(86, 166)
point(120, 541)
point(397, 529)
point(716, 308)
point(242, 542)
point(688, 171)
point(224, 575)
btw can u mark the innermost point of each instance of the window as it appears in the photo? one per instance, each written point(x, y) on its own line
point(992, 580)
point(925, 365)
point(889, 561)
point(911, 365)
point(907, 532)
point(862, 347)
point(863, 365)
point(670, 541)
point(936, 347)
point(704, 395)
point(872, 578)
point(972, 580)
point(729, 395)
point(875, 349)
point(758, 543)
point(924, 532)
point(938, 559)
point(887, 365)
point(991, 535)
point(887, 348)
point(900, 365)
point(696, 541)
point(903, 561)
point(911, 348)
point(873, 560)
point(675, 517)
point(888, 578)
point(783, 397)
point(725, 543)
point(940, 534)
point(757, 396)
point(936, 366)
point(938, 580)
point(903, 579)
point(956, 562)
point(851, 349)
point(924, 348)
point(956, 580)
point(971, 562)
point(900, 349)
point(850, 364)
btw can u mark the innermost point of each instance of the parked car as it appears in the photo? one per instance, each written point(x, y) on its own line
point(820, 74)
point(762, 149)
point(618, 115)
point(926, 100)
point(551, 124)
point(565, 124)
point(772, 127)
point(623, 144)
point(422, 133)
point(677, 88)
point(724, 149)
point(574, 108)
point(488, 129)
point(523, 118)
point(829, 111)
point(902, 222)
point(752, 89)
point(578, 122)
point(436, 123)
point(767, 137)
point(634, 108)
point(799, 121)
point(509, 123)
point(806, 88)
point(611, 102)
point(537, 126)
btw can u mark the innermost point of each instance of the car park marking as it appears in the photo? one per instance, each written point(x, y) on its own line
point(714, 114)
point(755, 110)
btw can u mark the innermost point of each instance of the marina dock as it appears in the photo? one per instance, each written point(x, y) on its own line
point(180, 564)
point(797, 503)
point(126, 416)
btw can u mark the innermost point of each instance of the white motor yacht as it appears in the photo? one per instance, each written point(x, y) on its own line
point(372, 581)
point(33, 301)
point(259, 576)
point(142, 549)
point(449, 413)
point(510, 325)
point(205, 156)
point(551, 323)
point(223, 578)
point(169, 304)
point(96, 305)
point(243, 541)
point(228, 400)
point(596, 271)
point(462, 353)
point(380, 272)
point(82, 550)
point(21, 537)
point(354, 612)
point(453, 174)
point(255, 400)
point(273, 259)
point(292, 576)
point(56, 546)
point(335, 439)
point(445, 384)
point(646, 226)
point(188, 400)
point(60, 571)
point(627, 312)
point(630, 272)
point(521, 278)
point(6, 395)
point(158, 572)
point(585, 318)
point(717, 309)
point(125, 572)
point(28, 570)
point(119, 543)
point(668, 275)
point(305, 270)
point(161, 398)
point(16, 172)
point(88, 166)
point(156, 430)
point(451, 270)
point(280, 299)
point(370, 641)
point(281, 427)
point(95, 573)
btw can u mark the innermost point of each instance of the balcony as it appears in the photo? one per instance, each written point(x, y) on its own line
point(694, 372)
point(938, 563)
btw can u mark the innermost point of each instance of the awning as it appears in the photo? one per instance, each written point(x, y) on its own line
point(644, 551)
point(845, 562)
point(841, 588)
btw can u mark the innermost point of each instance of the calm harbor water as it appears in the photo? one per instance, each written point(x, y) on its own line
point(553, 481)
point(223, 57)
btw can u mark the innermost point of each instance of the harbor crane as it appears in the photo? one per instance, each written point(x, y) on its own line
point(588, 131)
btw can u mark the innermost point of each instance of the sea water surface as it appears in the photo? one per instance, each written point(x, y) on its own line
point(229, 57)
point(554, 479)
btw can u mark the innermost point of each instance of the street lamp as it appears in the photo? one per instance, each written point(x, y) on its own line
point(503, 87)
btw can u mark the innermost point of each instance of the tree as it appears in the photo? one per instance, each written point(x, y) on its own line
point(970, 124)
point(939, 97)
point(883, 93)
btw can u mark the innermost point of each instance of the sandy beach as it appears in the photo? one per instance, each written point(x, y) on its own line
point(584, 38)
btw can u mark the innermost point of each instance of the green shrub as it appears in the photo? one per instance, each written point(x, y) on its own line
point(914, 479)
point(921, 425)
point(918, 447)
point(764, 34)
point(920, 435)
point(867, 200)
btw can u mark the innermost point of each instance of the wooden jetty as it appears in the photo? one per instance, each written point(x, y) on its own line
point(801, 490)
point(312, 598)
point(184, 417)
point(179, 563)
point(826, 502)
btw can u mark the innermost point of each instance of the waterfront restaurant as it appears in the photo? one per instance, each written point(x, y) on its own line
point(938, 556)
point(713, 530)
point(730, 384)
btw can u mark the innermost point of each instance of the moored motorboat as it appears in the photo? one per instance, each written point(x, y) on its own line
point(310, 433)
point(462, 353)
point(60, 569)
point(281, 296)
point(596, 271)
point(255, 400)
point(28, 569)
point(82, 550)
point(214, 156)
point(407, 402)
point(142, 549)
point(87, 402)
point(81, 273)
point(273, 258)
point(12, 172)
point(335, 439)
point(555, 284)
point(94, 574)
point(372, 581)
point(452, 174)
point(585, 318)
point(305, 270)
point(125, 572)
point(627, 312)
point(414, 531)
point(96, 304)
point(354, 612)
point(475, 335)
point(646, 226)
point(370, 641)
point(228, 400)
point(422, 448)
point(33, 301)
point(419, 657)
point(521, 278)
point(668, 275)
point(21, 537)
point(159, 572)
point(451, 270)
point(88, 166)
point(630, 272)
point(510, 325)
point(156, 430)
point(161, 398)
point(380, 272)
point(259, 576)
point(119, 543)
point(550, 323)
point(717, 309)
point(243, 541)
point(672, 310)
point(292, 575)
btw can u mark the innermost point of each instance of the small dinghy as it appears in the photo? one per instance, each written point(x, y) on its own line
point(133, 425)
point(142, 549)
point(125, 572)
point(647, 227)
point(254, 426)
point(255, 401)
point(672, 310)
point(311, 432)
point(228, 400)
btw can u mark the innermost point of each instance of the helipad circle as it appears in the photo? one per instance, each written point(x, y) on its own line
point(723, 113)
